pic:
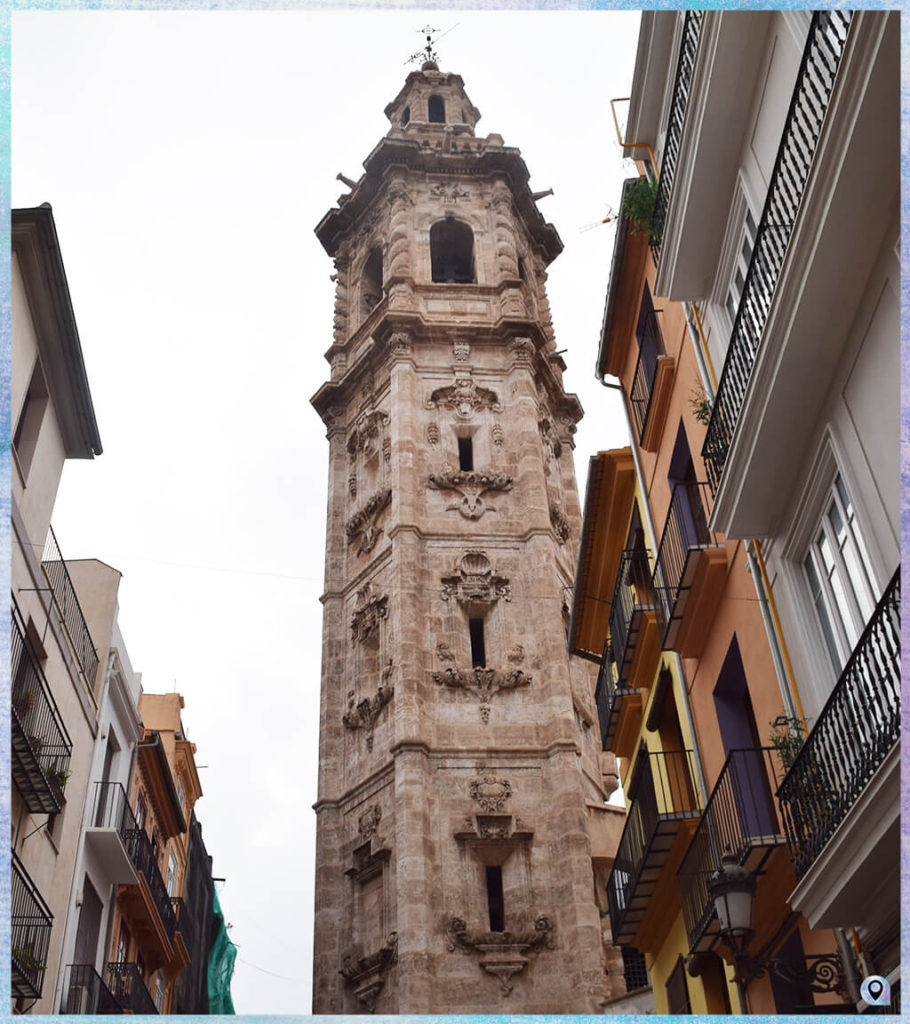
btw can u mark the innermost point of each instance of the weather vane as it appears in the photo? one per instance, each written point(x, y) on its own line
point(427, 53)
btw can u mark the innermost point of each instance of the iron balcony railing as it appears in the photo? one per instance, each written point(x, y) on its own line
point(632, 596)
point(802, 129)
point(30, 933)
point(855, 731)
point(85, 992)
point(68, 608)
point(112, 810)
point(650, 348)
point(662, 790)
point(608, 696)
point(184, 920)
point(685, 529)
point(125, 981)
point(739, 816)
point(40, 745)
point(681, 85)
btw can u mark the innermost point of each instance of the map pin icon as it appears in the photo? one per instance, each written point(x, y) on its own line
point(875, 988)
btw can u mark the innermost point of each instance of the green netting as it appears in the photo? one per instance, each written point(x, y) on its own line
point(221, 965)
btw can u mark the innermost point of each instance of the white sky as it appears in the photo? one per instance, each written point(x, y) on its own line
point(188, 158)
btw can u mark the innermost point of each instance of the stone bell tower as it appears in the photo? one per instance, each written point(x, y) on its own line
point(458, 743)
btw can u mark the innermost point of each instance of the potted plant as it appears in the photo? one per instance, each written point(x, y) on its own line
point(638, 204)
point(701, 406)
point(58, 776)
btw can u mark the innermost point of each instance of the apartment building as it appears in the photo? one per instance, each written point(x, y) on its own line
point(738, 573)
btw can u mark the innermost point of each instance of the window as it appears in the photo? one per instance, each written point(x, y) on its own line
point(452, 252)
point(28, 427)
point(634, 969)
point(465, 454)
point(741, 265)
point(839, 578)
point(171, 874)
point(181, 796)
point(405, 115)
point(123, 944)
point(678, 990)
point(436, 109)
point(478, 652)
point(371, 282)
point(159, 991)
point(140, 812)
point(495, 901)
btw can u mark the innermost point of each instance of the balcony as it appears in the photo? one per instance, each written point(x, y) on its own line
point(68, 608)
point(679, 102)
point(690, 572)
point(664, 807)
point(632, 616)
point(849, 760)
point(125, 982)
point(40, 745)
point(146, 897)
point(30, 933)
point(84, 991)
point(808, 107)
point(618, 706)
point(739, 816)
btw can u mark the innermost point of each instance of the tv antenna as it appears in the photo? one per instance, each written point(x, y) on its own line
point(611, 216)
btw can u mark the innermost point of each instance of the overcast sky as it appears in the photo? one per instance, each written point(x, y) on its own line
point(188, 157)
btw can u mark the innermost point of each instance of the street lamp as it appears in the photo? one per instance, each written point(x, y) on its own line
point(732, 889)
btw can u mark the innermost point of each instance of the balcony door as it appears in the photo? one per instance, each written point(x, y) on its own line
point(684, 493)
point(89, 927)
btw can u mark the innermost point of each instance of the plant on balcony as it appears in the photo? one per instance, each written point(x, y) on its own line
point(787, 738)
point(23, 701)
point(24, 955)
point(701, 406)
point(638, 205)
point(58, 776)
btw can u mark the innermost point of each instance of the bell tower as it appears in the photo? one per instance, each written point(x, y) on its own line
point(458, 741)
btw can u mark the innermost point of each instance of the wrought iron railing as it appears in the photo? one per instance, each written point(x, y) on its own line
point(680, 100)
point(662, 788)
point(41, 747)
point(632, 595)
point(68, 607)
point(738, 815)
point(808, 107)
point(30, 933)
point(125, 981)
point(112, 810)
point(85, 992)
point(608, 694)
point(853, 734)
point(686, 527)
point(184, 920)
point(650, 348)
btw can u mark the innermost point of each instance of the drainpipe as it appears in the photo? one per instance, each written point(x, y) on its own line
point(848, 959)
point(674, 654)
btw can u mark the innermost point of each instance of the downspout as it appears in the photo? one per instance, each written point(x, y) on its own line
point(674, 654)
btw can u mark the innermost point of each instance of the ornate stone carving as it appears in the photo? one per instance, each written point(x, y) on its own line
point(448, 193)
point(516, 654)
point(474, 580)
point(502, 954)
point(471, 485)
point(483, 682)
point(367, 431)
point(400, 344)
point(522, 349)
point(352, 485)
point(363, 714)
point(367, 974)
point(444, 652)
point(560, 523)
point(368, 822)
point(461, 351)
point(433, 434)
point(490, 793)
point(369, 611)
point(497, 435)
point(551, 444)
point(464, 398)
point(363, 523)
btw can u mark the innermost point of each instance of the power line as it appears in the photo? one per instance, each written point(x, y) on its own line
point(283, 977)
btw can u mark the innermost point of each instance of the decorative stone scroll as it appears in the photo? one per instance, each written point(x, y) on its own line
point(552, 446)
point(368, 822)
point(475, 580)
point(448, 193)
point(483, 682)
point(471, 485)
point(502, 954)
point(559, 522)
point(461, 351)
point(369, 610)
point(362, 523)
point(490, 793)
point(363, 714)
point(367, 974)
point(464, 398)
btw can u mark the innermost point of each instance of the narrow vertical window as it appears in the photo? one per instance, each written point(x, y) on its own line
point(465, 454)
point(436, 109)
point(478, 652)
point(495, 900)
point(405, 115)
point(25, 438)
